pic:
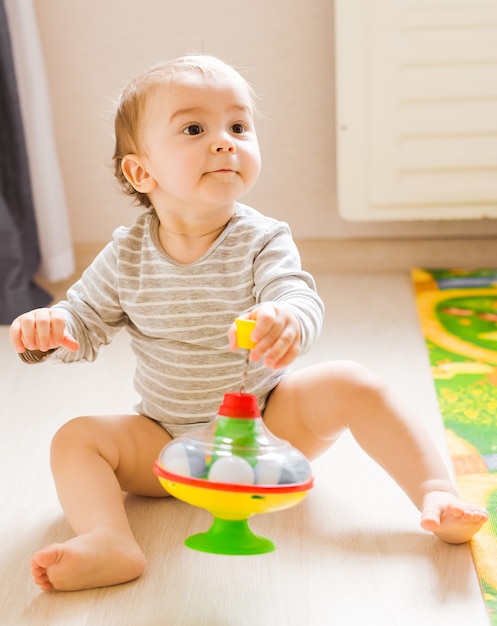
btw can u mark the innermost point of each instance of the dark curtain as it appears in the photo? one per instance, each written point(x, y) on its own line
point(19, 250)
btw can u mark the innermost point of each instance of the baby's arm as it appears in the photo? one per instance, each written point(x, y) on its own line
point(288, 312)
point(41, 330)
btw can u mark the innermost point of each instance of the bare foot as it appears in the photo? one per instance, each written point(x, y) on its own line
point(450, 518)
point(96, 559)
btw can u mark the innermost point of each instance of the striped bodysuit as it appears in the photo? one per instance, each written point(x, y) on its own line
point(178, 314)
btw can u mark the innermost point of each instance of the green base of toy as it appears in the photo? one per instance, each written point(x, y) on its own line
point(230, 537)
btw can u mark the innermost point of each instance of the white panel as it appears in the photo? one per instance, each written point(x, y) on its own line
point(416, 109)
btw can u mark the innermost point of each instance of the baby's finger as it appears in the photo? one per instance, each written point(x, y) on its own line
point(42, 330)
point(284, 350)
point(57, 328)
point(268, 342)
point(284, 360)
point(15, 336)
point(60, 335)
point(265, 316)
point(27, 325)
point(232, 337)
point(70, 343)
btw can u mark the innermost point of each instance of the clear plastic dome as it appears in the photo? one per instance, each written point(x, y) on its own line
point(235, 450)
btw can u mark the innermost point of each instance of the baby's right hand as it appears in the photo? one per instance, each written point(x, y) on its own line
point(41, 329)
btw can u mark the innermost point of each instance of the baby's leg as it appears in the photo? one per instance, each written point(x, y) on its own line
point(93, 460)
point(313, 406)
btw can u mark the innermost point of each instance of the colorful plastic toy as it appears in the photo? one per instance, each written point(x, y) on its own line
point(234, 467)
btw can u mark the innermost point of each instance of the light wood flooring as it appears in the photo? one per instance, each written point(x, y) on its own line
point(352, 553)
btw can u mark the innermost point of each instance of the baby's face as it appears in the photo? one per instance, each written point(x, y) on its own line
point(199, 142)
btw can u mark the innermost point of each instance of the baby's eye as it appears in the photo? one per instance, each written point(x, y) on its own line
point(193, 129)
point(238, 128)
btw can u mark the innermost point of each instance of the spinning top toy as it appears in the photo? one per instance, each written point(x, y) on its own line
point(234, 468)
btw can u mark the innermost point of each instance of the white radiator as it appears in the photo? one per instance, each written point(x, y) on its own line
point(416, 93)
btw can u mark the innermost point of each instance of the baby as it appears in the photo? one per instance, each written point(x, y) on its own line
point(194, 260)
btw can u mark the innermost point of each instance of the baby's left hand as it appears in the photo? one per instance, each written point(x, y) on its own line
point(276, 335)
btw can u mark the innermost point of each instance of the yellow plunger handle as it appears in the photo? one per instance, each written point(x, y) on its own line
point(244, 329)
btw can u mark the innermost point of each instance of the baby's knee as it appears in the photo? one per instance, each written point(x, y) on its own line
point(77, 431)
point(361, 383)
point(359, 375)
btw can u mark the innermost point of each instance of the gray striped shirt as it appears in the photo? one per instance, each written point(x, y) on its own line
point(178, 314)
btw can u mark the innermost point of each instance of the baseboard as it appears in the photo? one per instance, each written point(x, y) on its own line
point(364, 255)
point(368, 255)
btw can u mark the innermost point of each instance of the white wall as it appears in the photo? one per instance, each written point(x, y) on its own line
point(285, 49)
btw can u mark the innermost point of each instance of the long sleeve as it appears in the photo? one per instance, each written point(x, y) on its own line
point(278, 277)
point(92, 311)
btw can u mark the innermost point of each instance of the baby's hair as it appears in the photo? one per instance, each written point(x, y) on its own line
point(132, 104)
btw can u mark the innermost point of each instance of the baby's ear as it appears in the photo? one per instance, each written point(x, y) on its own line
point(137, 174)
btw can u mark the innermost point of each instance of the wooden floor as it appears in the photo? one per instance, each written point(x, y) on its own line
point(352, 553)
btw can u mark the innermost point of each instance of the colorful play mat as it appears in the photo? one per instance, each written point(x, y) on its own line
point(458, 315)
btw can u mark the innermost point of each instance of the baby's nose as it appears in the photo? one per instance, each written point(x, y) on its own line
point(223, 145)
point(225, 148)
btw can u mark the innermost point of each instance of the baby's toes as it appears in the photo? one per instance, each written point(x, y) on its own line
point(455, 510)
point(474, 515)
point(480, 516)
point(468, 516)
